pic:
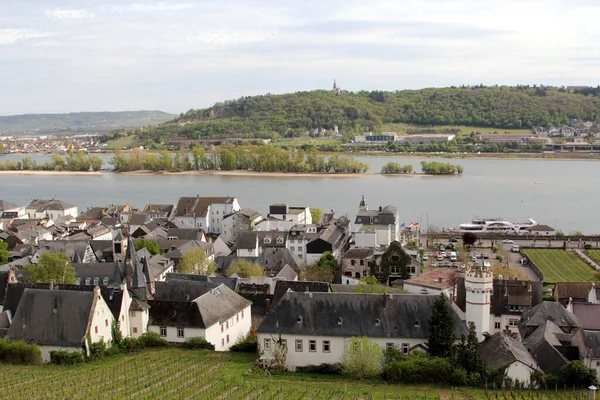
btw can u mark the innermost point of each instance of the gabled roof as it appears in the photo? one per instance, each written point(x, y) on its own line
point(181, 290)
point(40, 205)
point(282, 287)
point(92, 213)
point(6, 205)
point(220, 304)
point(198, 206)
point(576, 290)
point(159, 208)
point(184, 233)
point(501, 350)
point(246, 240)
point(592, 342)
point(547, 311)
point(355, 314)
point(358, 253)
point(287, 273)
point(52, 317)
point(139, 219)
point(543, 343)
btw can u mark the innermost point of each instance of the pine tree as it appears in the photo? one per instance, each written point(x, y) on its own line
point(441, 329)
point(468, 351)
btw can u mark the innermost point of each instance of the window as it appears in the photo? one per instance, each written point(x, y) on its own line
point(88, 281)
point(513, 322)
point(292, 248)
point(326, 346)
point(222, 328)
point(134, 329)
point(380, 268)
point(496, 325)
point(222, 342)
point(312, 346)
point(299, 248)
point(106, 322)
point(132, 313)
point(389, 346)
point(395, 269)
point(105, 281)
point(237, 317)
point(96, 329)
point(78, 281)
point(242, 314)
point(362, 262)
point(163, 331)
point(227, 325)
point(267, 344)
point(227, 338)
point(284, 343)
point(180, 331)
point(299, 345)
point(405, 348)
point(96, 280)
point(353, 262)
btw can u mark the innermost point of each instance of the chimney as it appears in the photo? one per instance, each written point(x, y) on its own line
point(268, 306)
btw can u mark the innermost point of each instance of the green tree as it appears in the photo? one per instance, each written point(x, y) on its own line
point(441, 329)
point(370, 284)
point(362, 358)
point(195, 261)
point(467, 352)
point(329, 262)
point(315, 273)
point(395, 261)
point(150, 245)
point(3, 252)
point(95, 162)
point(469, 239)
point(52, 267)
point(316, 215)
point(245, 269)
point(575, 373)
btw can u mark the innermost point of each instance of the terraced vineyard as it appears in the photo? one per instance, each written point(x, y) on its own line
point(559, 265)
point(594, 255)
point(181, 374)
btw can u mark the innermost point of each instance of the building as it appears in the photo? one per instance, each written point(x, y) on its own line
point(426, 139)
point(442, 280)
point(237, 222)
point(479, 285)
point(205, 213)
point(316, 327)
point(334, 239)
point(502, 351)
point(355, 262)
point(61, 320)
point(164, 211)
point(53, 209)
point(375, 228)
point(572, 292)
point(381, 139)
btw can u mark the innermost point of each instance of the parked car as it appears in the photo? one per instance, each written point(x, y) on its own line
point(440, 258)
point(424, 257)
point(484, 256)
point(473, 258)
point(508, 241)
point(453, 240)
point(442, 247)
point(515, 248)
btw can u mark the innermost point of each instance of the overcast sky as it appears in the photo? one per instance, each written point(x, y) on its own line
point(63, 56)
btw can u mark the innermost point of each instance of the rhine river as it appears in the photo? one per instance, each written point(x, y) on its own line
point(563, 194)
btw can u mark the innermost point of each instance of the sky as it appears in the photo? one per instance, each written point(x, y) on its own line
point(173, 55)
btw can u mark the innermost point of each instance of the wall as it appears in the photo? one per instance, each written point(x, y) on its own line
point(365, 239)
point(103, 319)
point(139, 321)
point(337, 347)
point(519, 371)
point(593, 363)
point(384, 236)
point(124, 319)
point(200, 222)
point(235, 329)
point(504, 321)
point(46, 350)
point(247, 252)
point(416, 289)
point(188, 332)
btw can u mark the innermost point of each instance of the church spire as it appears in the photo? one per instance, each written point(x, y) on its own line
point(363, 202)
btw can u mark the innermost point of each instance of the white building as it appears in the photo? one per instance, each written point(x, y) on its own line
point(205, 213)
point(314, 338)
point(375, 228)
point(53, 209)
point(297, 215)
point(76, 316)
point(219, 315)
point(442, 280)
point(240, 221)
point(479, 286)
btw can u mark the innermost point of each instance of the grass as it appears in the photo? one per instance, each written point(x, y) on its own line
point(187, 374)
point(560, 265)
point(120, 143)
point(594, 255)
point(462, 129)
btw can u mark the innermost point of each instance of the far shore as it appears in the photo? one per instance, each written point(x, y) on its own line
point(40, 172)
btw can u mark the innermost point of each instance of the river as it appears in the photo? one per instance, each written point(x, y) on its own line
point(563, 194)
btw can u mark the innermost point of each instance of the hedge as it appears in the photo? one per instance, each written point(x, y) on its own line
point(19, 352)
point(197, 343)
point(63, 357)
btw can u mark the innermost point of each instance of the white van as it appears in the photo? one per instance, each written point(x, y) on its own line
point(515, 248)
point(453, 256)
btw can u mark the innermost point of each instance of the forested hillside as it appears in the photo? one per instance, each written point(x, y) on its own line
point(293, 114)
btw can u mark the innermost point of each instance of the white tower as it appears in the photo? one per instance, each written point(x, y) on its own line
point(479, 285)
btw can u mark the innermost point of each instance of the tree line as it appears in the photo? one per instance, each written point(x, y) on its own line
point(72, 162)
point(440, 168)
point(269, 116)
point(396, 168)
point(246, 158)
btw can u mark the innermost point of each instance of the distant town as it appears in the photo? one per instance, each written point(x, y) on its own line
point(204, 271)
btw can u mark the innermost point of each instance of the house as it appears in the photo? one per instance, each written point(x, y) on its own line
point(205, 212)
point(540, 230)
point(92, 215)
point(355, 262)
point(375, 228)
point(239, 221)
point(155, 211)
point(214, 312)
point(299, 236)
point(395, 256)
point(594, 294)
point(502, 351)
point(54, 208)
point(282, 287)
point(571, 292)
point(295, 215)
point(98, 273)
point(79, 251)
point(176, 249)
point(315, 327)
point(247, 244)
point(334, 239)
point(61, 320)
point(588, 315)
point(442, 280)
point(592, 344)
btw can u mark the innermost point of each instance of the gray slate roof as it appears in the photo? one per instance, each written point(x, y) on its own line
point(181, 290)
point(355, 314)
point(542, 345)
point(52, 317)
point(592, 342)
point(246, 240)
point(282, 287)
point(501, 350)
point(547, 311)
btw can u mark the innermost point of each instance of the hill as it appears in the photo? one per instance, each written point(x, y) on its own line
point(293, 114)
point(80, 122)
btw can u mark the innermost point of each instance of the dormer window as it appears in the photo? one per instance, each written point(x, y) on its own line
point(299, 319)
point(377, 322)
point(78, 281)
point(88, 281)
point(279, 240)
point(267, 240)
point(340, 320)
point(417, 324)
point(105, 281)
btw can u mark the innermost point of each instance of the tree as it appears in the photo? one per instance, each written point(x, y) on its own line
point(147, 244)
point(195, 261)
point(315, 273)
point(3, 252)
point(245, 269)
point(469, 239)
point(370, 284)
point(441, 329)
point(52, 267)
point(362, 358)
point(328, 261)
point(577, 374)
point(316, 214)
point(467, 352)
point(395, 261)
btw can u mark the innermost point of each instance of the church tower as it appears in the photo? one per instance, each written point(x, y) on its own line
point(479, 285)
point(362, 206)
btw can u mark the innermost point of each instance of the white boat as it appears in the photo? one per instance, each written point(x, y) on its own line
point(498, 225)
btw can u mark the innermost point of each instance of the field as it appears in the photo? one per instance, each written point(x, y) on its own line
point(185, 374)
point(594, 255)
point(462, 129)
point(120, 143)
point(560, 265)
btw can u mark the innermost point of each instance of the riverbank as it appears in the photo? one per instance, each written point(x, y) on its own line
point(250, 173)
point(41, 172)
point(567, 156)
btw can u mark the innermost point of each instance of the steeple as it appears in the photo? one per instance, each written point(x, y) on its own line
point(362, 206)
point(479, 287)
point(117, 273)
point(335, 87)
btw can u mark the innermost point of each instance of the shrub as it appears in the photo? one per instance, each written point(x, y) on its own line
point(197, 343)
point(129, 345)
point(113, 351)
point(587, 246)
point(63, 357)
point(419, 368)
point(246, 345)
point(97, 349)
point(322, 368)
point(19, 352)
point(152, 339)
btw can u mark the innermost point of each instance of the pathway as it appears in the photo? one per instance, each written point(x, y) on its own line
point(588, 259)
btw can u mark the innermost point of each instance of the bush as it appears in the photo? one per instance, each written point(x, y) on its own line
point(97, 349)
point(419, 368)
point(246, 345)
point(129, 345)
point(322, 368)
point(197, 343)
point(152, 339)
point(63, 357)
point(587, 246)
point(19, 352)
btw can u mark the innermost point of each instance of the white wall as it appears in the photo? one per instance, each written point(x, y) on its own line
point(236, 327)
point(124, 319)
point(517, 371)
point(138, 321)
point(365, 239)
point(46, 350)
point(593, 363)
point(247, 252)
point(200, 222)
point(188, 332)
point(337, 347)
point(416, 289)
point(504, 321)
point(102, 320)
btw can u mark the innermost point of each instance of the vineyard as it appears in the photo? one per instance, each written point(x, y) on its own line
point(594, 255)
point(181, 374)
point(560, 265)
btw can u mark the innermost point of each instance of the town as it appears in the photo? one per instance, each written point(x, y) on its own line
point(204, 267)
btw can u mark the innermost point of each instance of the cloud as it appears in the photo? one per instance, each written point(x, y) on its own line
point(148, 7)
point(68, 14)
point(12, 35)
